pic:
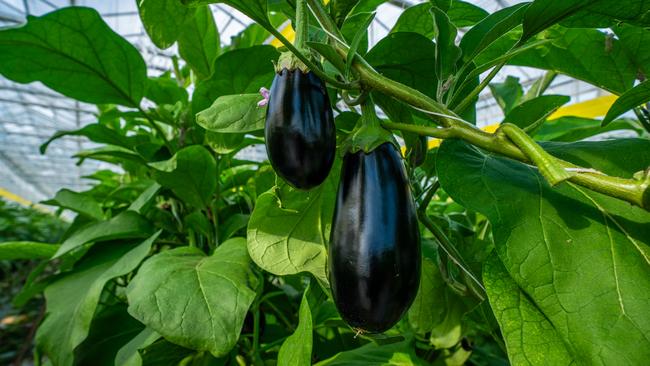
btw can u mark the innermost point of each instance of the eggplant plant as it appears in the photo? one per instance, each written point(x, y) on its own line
point(526, 245)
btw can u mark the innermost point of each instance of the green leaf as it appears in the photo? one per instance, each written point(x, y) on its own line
point(289, 229)
point(464, 14)
point(631, 99)
point(233, 114)
point(254, 9)
point(232, 225)
point(72, 299)
point(239, 71)
point(586, 54)
point(531, 113)
point(126, 225)
point(329, 53)
point(570, 129)
point(352, 27)
point(341, 9)
point(296, 349)
point(164, 20)
point(416, 19)
point(165, 90)
point(408, 58)
point(483, 34)
point(77, 202)
point(12, 250)
point(111, 327)
point(584, 13)
point(145, 198)
point(530, 337)
point(426, 312)
point(577, 254)
point(194, 300)
point(395, 354)
point(361, 33)
point(224, 143)
point(198, 43)
point(634, 41)
point(507, 94)
point(94, 132)
point(191, 174)
point(542, 14)
point(128, 355)
point(73, 51)
point(447, 53)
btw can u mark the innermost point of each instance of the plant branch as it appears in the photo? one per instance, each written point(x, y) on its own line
point(635, 191)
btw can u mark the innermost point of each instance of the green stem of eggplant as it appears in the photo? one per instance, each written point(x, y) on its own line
point(302, 24)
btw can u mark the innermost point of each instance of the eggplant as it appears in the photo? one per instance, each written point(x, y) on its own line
point(300, 132)
point(374, 252)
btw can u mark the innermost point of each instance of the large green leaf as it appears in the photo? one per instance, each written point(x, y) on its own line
point(408, 58)
point(128, 355)
point(395, 354)
point(585, 54)
point(11, 250)
point(465, 14)
point(533, 112)
point(508, 93)
point(73, 51)
point(632, 98)
point(126, 225)
point(570, 129)
point(110, 329)
point(233, 114)
point(296, 349)
point(426, 312)
point(94, 132)
point(530, 337)
point(239, 71)
point(490, 29)
point(447, 53)
point(194, 300)
point(164, 20)
point(418, 18)
point(77, 202)
point(341, 9)
point(191, 174)
point(635, 43)
point(289, 229)
point(72, 299)
point(198, 43)
point(584, 13)
point(581, 257)
point(165, 90)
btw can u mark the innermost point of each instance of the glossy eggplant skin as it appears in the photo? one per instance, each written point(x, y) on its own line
point(374, 252)
point(300, 133)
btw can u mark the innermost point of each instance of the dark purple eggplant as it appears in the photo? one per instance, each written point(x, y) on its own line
point(300, 133)
point(374, 252)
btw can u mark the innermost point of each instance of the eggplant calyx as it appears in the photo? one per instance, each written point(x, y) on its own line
point(366, 138)
point(290, 62)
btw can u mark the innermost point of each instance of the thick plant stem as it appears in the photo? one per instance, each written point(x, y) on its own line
point(550, 169)
point(302, 24)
